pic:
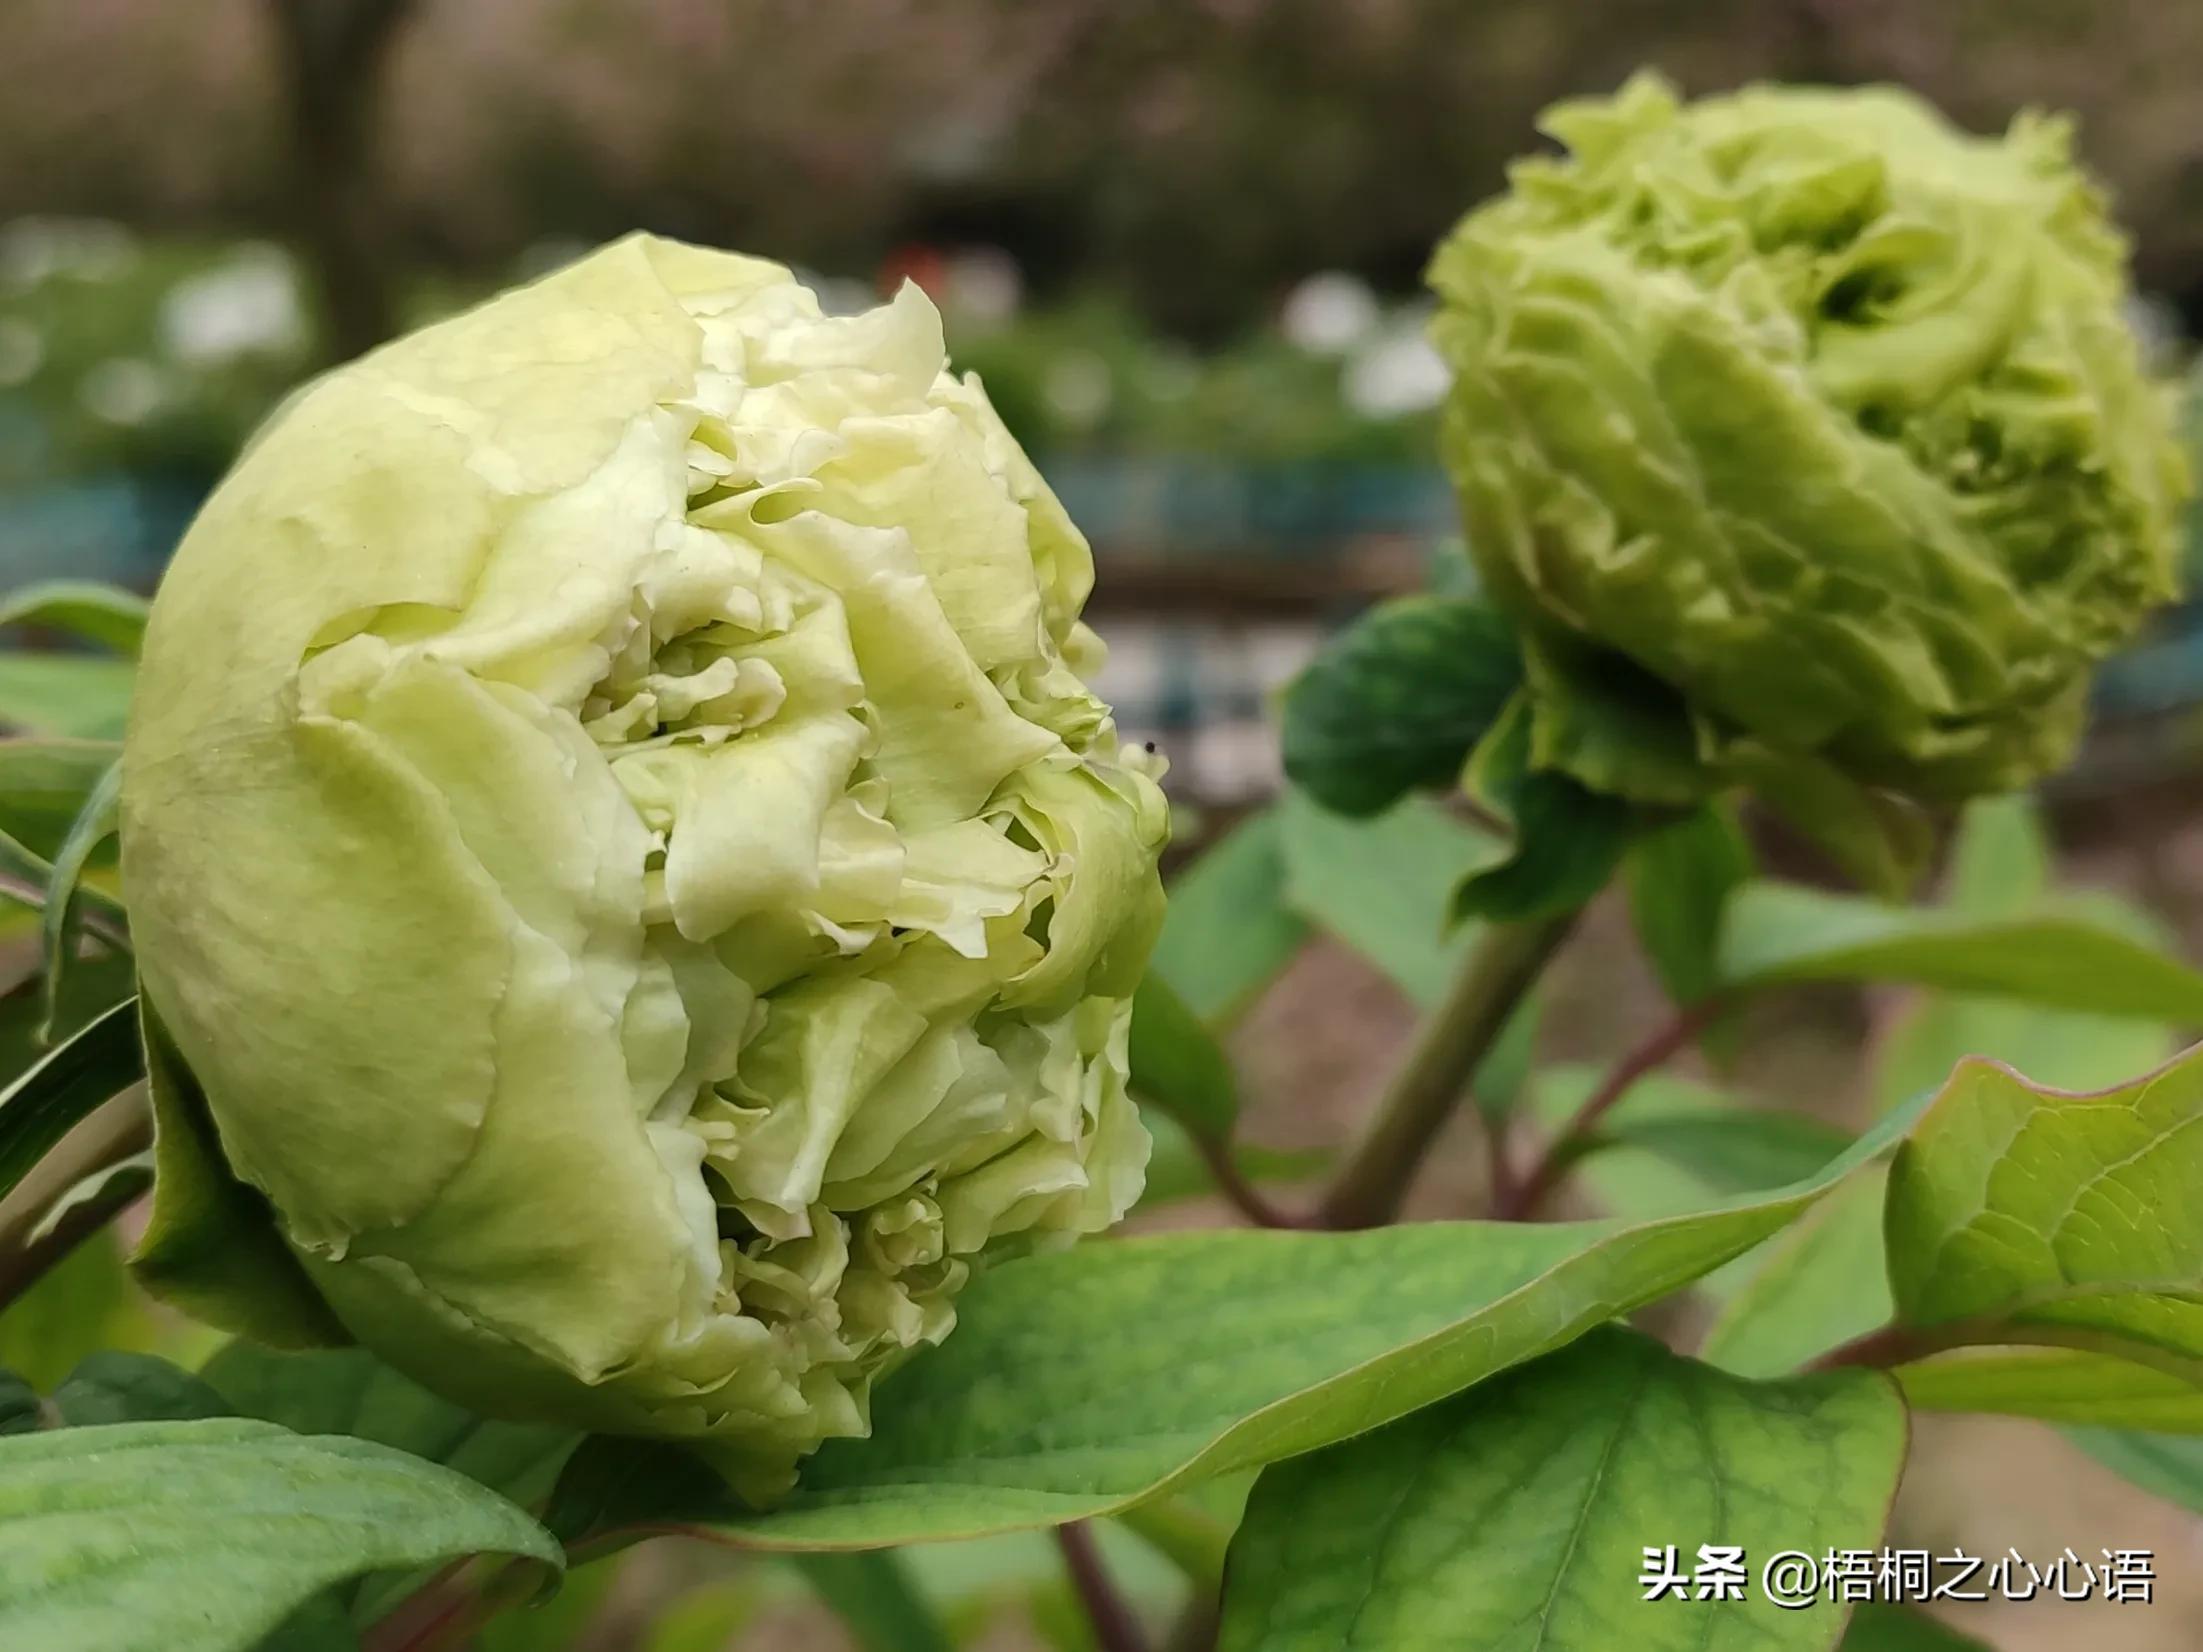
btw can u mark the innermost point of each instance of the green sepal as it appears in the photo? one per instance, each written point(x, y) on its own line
point(1567, 839)
point(211, 1248)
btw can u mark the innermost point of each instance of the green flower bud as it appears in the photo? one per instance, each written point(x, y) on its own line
point(614, 827)
point(1798, 427)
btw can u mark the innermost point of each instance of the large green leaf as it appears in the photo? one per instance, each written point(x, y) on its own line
point(350, 1391)
point(1178, 1064)
point(1382, 886)
point(2164, 1465)
point(203, 1536)
point(105, 614)
point(1519, 1514)
point(2066, 957)
point(40, 1107)
point(1081, 1382)
point(1397, 700)
point(43, 785)
point(342, 1391)
point(2018, 1214)
point(1229, 931)
point(1681, 876)
point(73, 696)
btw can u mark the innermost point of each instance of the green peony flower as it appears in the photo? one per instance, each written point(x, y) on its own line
point(1803, 432)
point(616, 834)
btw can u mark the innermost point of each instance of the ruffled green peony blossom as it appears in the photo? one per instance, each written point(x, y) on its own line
point(616, 833)
point(1803, 433)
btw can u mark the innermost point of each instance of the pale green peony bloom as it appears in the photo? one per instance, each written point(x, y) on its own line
point(1802, 431)
point(615, 830)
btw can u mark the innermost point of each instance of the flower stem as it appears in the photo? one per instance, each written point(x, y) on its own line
point(1430, 1082)
point(1115, 1628)
point(1562, 1152)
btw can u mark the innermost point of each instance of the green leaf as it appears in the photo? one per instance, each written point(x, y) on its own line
point(2066, 1049)
point(2023, 1215)
point(43, 785)
point(113, 1387)
point(1876, 1627)
point(1081, 1382)
point(1732, 1149)
point(1178, 1064)
point(105, 614)
point(2164, 1465)
point(1681, 876)
point(2068, 959)
point(1566, 839)
point(350, 1391)
point(202, 1536)
point(1382, 886)
point(68, 695)
point(1814, 1286)
point(2056, 1385)
point(1674, 1144)
point(1518, 1514)
point(61, 921)
point(41, 1107)
point(1228, 931)
point(873, 1596)
point(1397, 700)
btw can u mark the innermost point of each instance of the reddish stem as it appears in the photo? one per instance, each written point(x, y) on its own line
point(1569, 1145)
point(1242, 1194)
point(1115, 1628)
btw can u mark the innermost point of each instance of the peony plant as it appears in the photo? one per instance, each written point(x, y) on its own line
point(629, 914)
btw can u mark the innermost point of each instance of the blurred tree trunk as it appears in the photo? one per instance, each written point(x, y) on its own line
point(334, 60)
